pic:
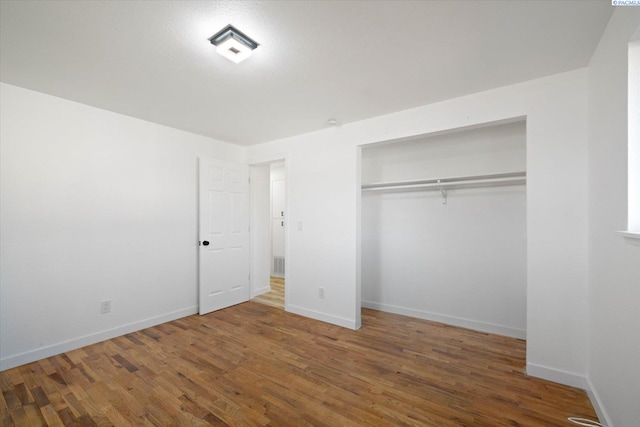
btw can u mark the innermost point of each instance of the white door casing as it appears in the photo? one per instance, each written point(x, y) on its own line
point(224, 234)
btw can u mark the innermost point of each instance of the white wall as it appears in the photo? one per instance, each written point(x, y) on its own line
point(321, 240)
point(324, 195)
point(614, 263)
point(463, 262)
point(94, 205)
point(492, 149)
point(277, 171)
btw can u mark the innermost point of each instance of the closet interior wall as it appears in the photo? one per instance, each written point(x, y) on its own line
point(459, 260)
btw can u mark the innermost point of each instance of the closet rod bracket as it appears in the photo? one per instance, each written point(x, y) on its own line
point(443, 191)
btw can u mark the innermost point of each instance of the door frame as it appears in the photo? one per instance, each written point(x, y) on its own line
point(265, 161)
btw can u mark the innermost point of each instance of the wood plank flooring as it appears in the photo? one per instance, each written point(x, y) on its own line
point(274, 298)
point(256, 365)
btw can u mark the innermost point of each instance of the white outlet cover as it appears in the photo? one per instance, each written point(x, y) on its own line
point(105, 306)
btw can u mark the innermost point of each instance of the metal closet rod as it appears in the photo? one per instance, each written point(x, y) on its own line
point(511, 178)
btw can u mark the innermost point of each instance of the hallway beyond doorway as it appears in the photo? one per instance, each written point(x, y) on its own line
point(275, 297)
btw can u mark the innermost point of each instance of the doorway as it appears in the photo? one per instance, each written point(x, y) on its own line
point(269, 231)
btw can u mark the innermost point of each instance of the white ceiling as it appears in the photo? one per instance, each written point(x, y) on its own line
point(348, 60)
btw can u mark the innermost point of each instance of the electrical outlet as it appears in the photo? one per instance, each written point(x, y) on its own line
point(105, 306)
point(321, 293)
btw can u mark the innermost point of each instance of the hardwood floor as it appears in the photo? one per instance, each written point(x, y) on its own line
point(256, 365)
point(274, 298)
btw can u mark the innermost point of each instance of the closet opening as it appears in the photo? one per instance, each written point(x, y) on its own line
point(443, 227)
point(268, 233)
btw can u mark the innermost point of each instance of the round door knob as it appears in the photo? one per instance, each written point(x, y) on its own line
point(205, 243)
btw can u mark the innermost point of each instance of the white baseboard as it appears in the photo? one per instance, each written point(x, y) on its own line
point(557, 375)
point(574, 380)
point(54, 349)
point(597, 404)
point(450, 320)
point(261, 291)
point(323, 317)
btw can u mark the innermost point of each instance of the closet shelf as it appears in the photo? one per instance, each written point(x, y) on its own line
point(491, 180)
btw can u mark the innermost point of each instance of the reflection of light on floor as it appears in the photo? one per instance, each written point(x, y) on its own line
point(275, 298)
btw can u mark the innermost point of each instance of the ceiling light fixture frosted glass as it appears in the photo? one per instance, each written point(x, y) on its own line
point(233, 44)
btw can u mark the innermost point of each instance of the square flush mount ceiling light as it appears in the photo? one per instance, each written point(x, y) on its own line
point(232, 44)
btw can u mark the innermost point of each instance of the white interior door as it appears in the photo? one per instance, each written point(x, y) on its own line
point(224, 234)
point(277, 207)
point(278, 191)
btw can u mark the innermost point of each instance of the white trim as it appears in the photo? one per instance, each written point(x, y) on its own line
point(269, 158)
point(258, 292)
point(73, 344)
point(557, 375)
point(450, 320)
point(594, 397)
point(629, 234)
point(323, 317)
